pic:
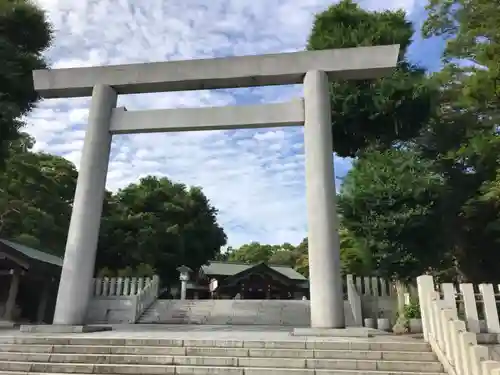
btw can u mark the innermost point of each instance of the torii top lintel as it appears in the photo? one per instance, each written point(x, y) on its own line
point(218, 73)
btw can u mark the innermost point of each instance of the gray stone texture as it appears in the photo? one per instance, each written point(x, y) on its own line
point(227, 72)
point(79, 259)
point(54, 328)
point(111, 310)
point(294, 313)
point(325, 282)
point(209, 118)
point(338, 332)
point(167, 352)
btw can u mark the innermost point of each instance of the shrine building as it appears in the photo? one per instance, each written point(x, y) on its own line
point(228, 280)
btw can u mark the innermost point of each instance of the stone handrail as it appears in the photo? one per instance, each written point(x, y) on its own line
point(118, 286)
point(372, 286)
point(121, 299)
point(354, 301)
point(146, 296)
point(456, 348)
point(468, 297)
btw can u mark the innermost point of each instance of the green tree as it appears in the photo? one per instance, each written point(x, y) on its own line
point(24, 34)
point(390, 201)
point(252, 253)
point(372, 113)
point(161, 224)
point(285, 255)
point(464, 151)
point(36, 193)
point(424, 193)
point(465, 142)
point(354, 257)
point(302, 263)
point(223, 256)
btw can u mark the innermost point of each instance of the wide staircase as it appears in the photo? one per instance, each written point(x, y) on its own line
point(84, 355)
point(233, 312)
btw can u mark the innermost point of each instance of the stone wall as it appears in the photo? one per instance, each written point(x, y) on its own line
point(111, 310)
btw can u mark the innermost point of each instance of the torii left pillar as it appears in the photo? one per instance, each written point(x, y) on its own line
point(79, 259)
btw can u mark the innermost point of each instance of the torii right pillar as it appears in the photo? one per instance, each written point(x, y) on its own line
point(325, 280)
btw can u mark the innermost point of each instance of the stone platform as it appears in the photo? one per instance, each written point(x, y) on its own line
point(55, 328)
point(205, 332)
point(338, 332)
point(5, 324)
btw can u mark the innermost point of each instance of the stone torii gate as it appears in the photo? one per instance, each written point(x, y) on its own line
point(312, 68)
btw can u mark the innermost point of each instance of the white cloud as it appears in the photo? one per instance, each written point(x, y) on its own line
point(254, 177)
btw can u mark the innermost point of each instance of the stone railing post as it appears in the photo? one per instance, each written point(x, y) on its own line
point(456, 348)
point(354, 300)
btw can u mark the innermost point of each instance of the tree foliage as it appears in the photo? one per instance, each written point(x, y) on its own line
point(36, 193)
point(354, 258)
point(161, 224)
point(372, 113)
point(24, 34)
point(432, 201)
point(466, 136)
point(152, 226)
point(252, 253)
point(388, 200)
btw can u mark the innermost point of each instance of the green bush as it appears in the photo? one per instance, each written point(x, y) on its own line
point(412, 311)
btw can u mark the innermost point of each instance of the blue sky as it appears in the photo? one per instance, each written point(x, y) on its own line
point(255, 178)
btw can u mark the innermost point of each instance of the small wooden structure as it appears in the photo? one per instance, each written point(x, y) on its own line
point(28, 283)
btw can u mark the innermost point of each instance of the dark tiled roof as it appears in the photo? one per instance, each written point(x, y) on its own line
point(229, 269)
point(33, 254)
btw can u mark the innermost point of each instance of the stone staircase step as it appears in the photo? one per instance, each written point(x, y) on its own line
point(25, 360)
point(361, 345)
point(242, 371)
point(5, 350)
point(65, 368)
point(236, 312)
point(149, 356)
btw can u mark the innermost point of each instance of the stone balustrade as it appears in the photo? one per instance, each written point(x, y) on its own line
point(371, 297)
point(456, 348)
point(147, 296)
point(119, 286)
point(121, 299)
point(373, 286)
point(475, 304)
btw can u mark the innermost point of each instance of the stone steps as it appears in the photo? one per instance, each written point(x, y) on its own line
point(178, 312)
point(89, 362)
point(343, 344)
point(201, 370)
point(84, 355)
point(55, 350)
point(234, 312)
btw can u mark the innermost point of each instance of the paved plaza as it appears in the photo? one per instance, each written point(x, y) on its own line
point(207, 332)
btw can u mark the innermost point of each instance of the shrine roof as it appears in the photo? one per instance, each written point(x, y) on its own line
point(32, 254)
point(231, 268)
